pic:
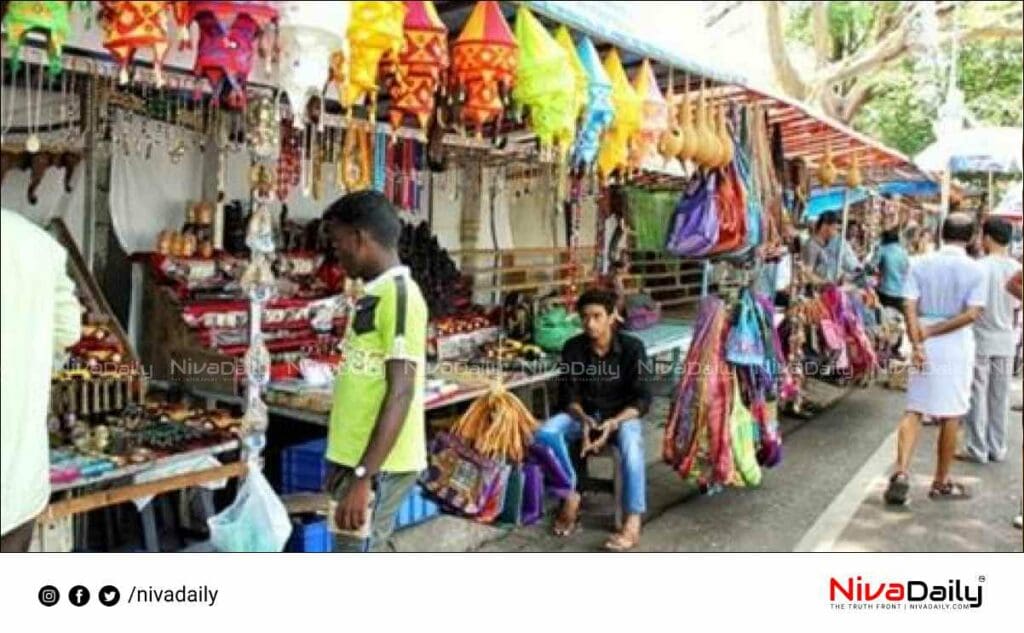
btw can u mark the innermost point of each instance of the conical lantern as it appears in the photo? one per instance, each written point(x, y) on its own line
point(415, 75)
point(50, 19)
point(600, 112)
point(230, 36)
point(614, 153)
point(310, 31)
point(484, 64)
point(654, 120)
point(546, 82)
point(564, 40)
point(374, 31)
point(129, 26)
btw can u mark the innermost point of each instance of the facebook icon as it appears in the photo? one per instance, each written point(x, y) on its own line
point(79, 596)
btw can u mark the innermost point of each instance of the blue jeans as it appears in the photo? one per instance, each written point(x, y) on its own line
point(562, 429)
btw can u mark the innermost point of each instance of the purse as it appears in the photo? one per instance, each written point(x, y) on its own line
point(512, 512)
point(495, 502)
point(642, 312)
point(458, 477)
point(741, 433)
point(555, 477)
point(533, 493)
point(730, 203)
point(745, 345)
point(554, 327)
point(694, 224)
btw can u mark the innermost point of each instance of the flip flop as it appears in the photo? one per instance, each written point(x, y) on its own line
point(622, 543)
point(949, 491)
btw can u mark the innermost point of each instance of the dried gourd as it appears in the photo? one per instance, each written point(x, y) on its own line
point(671, 141)
point(724, 139)
point(827, 169)
point(688, 149)
point(853, 176)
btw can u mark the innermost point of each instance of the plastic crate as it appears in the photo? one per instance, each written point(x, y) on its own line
point(309, 534)
point(415, 509)
point(303, 468)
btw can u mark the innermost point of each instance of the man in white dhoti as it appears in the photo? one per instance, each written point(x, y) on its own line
point(945, 293)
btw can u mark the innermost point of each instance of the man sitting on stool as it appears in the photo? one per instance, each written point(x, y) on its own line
point(604, 393)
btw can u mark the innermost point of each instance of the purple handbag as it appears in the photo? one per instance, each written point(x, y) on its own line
point(533, 493)
point(458, 477)
point(693, 229)
point(555, 478)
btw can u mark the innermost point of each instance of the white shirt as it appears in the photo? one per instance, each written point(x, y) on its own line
point(945, 283)
point(40, 315)
point(993, 332)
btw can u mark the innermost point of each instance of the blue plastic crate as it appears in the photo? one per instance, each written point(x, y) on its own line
point(415, 509)
point(309, 534)
point(303, 468)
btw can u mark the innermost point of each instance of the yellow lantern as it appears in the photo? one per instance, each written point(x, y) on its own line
point(375, 30)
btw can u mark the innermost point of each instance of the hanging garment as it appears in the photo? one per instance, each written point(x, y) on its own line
point(742, 431)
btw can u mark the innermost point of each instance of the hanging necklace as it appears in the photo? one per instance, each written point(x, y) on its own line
point(32, 143)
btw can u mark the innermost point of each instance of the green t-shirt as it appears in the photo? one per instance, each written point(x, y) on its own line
point(390, 322)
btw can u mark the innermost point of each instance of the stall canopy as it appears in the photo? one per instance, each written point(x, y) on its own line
point(831, 199)
point(980, 150)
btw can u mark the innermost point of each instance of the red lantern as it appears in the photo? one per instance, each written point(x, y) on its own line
point(230, 35)
point(414, 78)
point(484, 61)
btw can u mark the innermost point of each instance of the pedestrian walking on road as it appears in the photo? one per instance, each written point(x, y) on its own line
point(945, 293)
point(985, 437)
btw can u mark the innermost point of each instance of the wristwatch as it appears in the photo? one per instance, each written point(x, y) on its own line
point(359, 471)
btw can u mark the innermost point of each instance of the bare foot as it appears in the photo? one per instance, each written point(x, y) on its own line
point(568, 516)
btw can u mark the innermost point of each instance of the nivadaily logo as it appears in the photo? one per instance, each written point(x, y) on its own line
point(906, 594)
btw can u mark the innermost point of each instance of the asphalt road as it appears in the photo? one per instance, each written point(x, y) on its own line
point(825, 496)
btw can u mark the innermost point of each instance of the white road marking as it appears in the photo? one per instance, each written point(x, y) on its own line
point(822, 536)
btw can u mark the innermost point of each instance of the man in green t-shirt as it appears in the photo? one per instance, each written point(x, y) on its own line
point(376, 443)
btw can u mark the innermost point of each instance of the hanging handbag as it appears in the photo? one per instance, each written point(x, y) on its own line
point(533, 493)
point(731, 205)
point(745, 345)
point(742, 432)
point(694, 224)
point(457, 476)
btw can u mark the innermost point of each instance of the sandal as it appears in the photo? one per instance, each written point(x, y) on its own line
point(622, 542)
point(949, 491)
point(899, 488)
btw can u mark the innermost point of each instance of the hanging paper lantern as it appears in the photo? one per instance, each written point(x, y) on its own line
point(546, 83)
point(230, 35)
point(579, 74)
point(484, 64)
point(130, 25)
point(374, 30)
point(600, 112)
point(309, 32)
point(654, 120)
point(415, 74)
point(614, 152)
point(51, 19)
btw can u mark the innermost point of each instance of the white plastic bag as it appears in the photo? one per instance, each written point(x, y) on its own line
point(256, 521)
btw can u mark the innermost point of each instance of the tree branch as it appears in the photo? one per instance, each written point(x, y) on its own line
point(889, 47)
point(787, 74)
point(822, 34)
point(862, 92)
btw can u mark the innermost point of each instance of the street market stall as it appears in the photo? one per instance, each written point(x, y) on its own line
point(516, 193)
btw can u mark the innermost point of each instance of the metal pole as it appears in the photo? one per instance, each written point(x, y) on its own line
point(842, 234)
point(944, 209)
point(989, 192)
point(89, 107)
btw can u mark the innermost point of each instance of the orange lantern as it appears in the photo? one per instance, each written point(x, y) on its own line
point(416, 74)
point(129, 26)
point(484, 60)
